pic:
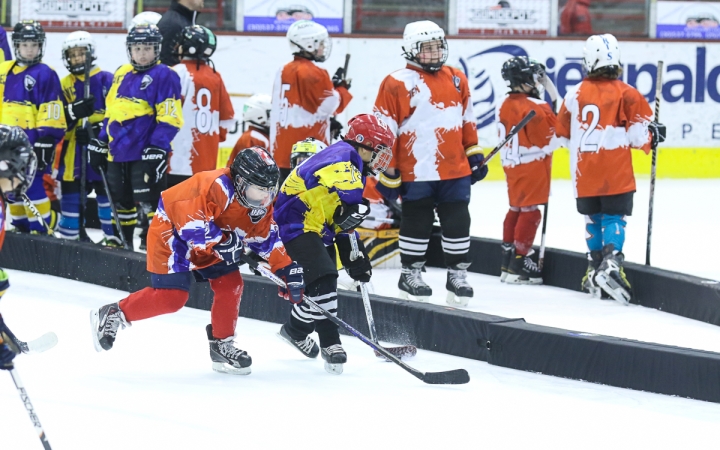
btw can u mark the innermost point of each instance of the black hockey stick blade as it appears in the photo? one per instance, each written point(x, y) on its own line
point(457, 376)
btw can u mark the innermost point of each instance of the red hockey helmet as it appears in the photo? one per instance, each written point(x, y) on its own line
point(371, 133)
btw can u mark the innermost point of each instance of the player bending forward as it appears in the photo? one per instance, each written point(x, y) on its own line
point(199, 231)
point(527, 162)
point(319, 204)
point(256, 115)
point(600, 119)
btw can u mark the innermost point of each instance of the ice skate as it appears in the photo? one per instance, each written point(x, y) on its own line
point(523, 270)
point(588, 282)
point(611, 278)
point(459, 291)
point(226, 357)
point(412, 284)
point(334, 357)
point(506, 250)
point(105, 324)
point(307, 346)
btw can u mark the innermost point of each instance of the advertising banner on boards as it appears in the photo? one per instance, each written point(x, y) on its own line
point(277, 15)
point(75, 14)
point(514, 17)
point(688, 20)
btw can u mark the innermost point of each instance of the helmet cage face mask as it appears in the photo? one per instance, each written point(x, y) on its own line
point(144, 35)
point(28, 31)
point(20, 174)
point(439, 54)
point(303, 150)
point(252, 196)
point(380, 160)
point(82, 40)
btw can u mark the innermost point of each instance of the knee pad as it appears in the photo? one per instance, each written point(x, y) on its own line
point(593, 232)
point(614, 230)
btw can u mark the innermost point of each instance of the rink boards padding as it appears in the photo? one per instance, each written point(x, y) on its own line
point(511, 343)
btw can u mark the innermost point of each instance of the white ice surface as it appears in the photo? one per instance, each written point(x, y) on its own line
point(155, 389)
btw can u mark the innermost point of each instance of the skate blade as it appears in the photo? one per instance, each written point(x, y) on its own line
point(335, 369)
point(94, 322)
point(515, 279)
point(454, 300)
point(418, 298)
point(228, 369)
point(613, 289)
point(503, 276)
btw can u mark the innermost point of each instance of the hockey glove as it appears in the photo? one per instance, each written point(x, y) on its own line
point(231, 249)
point(476, 158)
point(80, 109)
point(292, 275)
point(339, 79)
point(347, 217)
point(44, 150)
point(4, 282)
point(154, 164)
point(82, 137)
point(335, 128)
point(8, 350)
point(359, 269)
point(98, 154)
point(657, 133)
point(389, 186)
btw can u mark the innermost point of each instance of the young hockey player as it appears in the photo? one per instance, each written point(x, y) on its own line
point(600, 119)
point(207, 108)
point(303, 150)
point(304, 97)
point(77, 107)
point(146, 18)
point(319, 204)
point(143, 115)
point(32, 100)
point(199, 231)
point(256, 115)
point(527, 162)
point(435, 159)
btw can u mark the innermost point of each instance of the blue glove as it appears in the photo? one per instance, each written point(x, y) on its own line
point(389, 187)
point(292, 275)
point(4, 282)
point(231, 249)
point(475, 158)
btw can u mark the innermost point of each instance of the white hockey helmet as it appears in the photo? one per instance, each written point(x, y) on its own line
point(309, 39)
point(257, 110)
point(146, 18)
point(77, 39)
point(601, 50)
point(417, 33)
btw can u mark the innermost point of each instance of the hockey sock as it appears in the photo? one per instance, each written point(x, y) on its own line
point(511, 219)
point(226, 303)
point(593, 232)
point(455, 226)
point(614, 230)
point(525, 231)
point(151, 302)
point(304, 319)
point(69, 222)
point(415, 230)
point(105, 215)
point(128, 220)
point(18, 217)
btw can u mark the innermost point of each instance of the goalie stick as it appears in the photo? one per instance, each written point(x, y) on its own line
point(509, 136)
point(405, 350)
point(457, 376)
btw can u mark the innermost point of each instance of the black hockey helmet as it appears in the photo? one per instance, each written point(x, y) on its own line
point(255, 177)
point(147, 34)
point(196, 42)
point(28, 31)
point(17, 159)
point(523, 71)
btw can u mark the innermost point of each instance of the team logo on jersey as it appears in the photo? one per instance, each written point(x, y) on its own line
point(29, 83)
point(146, 80)
point(456, 82)
point(256, 214)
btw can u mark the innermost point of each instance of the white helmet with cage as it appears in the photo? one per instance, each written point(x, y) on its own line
point(310, 40)
point(257, 110)
point(418, 33)
point(601, 50)
point(146, 18)
point(78, 39)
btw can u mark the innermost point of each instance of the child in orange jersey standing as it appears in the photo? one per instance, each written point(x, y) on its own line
point(527, 161)
point(600, 119)
point(256, 115)
point(435, 159)
point(304, 97)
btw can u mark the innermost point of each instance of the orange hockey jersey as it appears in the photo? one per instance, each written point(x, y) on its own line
point(208, 114)
point(599, 121)
point(195, 215)
point(527, 158)
point(432, 117)
point(303, 100)
point(250, 138)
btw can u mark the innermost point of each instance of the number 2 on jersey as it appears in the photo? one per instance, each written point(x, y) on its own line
point(590, 131)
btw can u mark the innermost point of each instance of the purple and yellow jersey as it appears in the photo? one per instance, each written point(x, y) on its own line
point(32, 100)
point(4, 46)
point(143, 109)
point(313, 190)
point(73, 87)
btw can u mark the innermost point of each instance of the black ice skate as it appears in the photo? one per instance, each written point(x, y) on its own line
point(226, 357)
point(523, 270)
point(105, 324)
point(334, 357)
point(411, 283)
point(611, 278)
point(506, 252)
point(588, 282)
point(307, 346)
point(459, 290)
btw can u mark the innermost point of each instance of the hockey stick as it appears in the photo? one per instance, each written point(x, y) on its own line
point(83, 155)
point(509, 136)
point(653, 167)
point(39, 345)
point(29, 407)
point(345, 67)
point(37, 214)
point(405, 350)
point(116, 217)
point(457, 376)
point(541, 257)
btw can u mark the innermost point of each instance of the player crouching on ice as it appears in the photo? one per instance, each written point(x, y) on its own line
point(199, 231)
point(321, 202)
point(600, 119)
